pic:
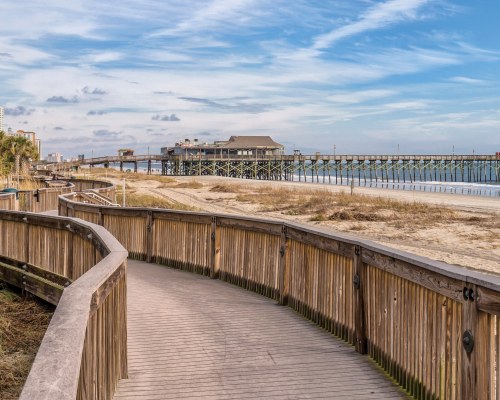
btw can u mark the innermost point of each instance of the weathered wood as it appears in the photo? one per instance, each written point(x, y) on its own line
point(38, 271)
point(469, 367)
point(283, 269)
point(268, 227)
point(100, 295)
point(149, 236)
point(446, 286)
point(488, 301)
point(214, 249)
point(172, 215)
point(224, 343)
point(320, 242)
point(46, 253)
point(359, 303)
point(414, 309)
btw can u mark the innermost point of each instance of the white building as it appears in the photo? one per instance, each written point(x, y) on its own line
point(1, 118)
point(55, 157)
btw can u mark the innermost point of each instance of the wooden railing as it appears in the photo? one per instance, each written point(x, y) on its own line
point(84, 351)
point(46, 199)
point(8, 201)
point(103, 188)
point(433, 327)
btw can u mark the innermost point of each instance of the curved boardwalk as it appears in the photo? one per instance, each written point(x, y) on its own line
point(193, 337)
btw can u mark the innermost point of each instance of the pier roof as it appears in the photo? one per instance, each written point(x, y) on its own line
point(238, 142)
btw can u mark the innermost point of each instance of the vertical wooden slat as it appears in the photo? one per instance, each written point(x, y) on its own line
point(359, 304)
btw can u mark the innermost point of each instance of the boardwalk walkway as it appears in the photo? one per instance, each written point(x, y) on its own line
point(193, 337)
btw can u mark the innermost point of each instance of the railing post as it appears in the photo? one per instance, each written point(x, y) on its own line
point(283, 270)
point(469, 327)
point(101, 217)
point(27, 243)
point(215, 250)
point(359, 303)
point(149, 236)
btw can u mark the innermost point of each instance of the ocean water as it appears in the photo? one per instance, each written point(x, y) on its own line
point(489, 189)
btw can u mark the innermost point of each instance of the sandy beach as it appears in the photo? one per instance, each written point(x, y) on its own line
point(459, 229)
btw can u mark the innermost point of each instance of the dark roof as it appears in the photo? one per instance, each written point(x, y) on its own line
point(238, 142)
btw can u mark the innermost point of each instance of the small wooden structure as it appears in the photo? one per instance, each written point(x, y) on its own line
point(125, 152)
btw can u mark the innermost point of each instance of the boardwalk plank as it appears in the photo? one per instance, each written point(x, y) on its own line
point(193, 337)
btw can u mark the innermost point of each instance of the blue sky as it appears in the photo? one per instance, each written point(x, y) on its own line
point(364, 76)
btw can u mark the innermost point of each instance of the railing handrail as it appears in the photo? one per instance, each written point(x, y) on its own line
point(482, 278)
point(56, 369)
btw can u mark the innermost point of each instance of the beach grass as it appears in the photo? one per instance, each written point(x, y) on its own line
point(323, 205)
point(23, 323)
point(134, 199)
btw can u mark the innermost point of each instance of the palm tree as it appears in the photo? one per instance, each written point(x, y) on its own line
point(16, 152)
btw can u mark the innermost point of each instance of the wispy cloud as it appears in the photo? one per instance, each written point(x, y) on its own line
point(252, 108)
point(466, 80)
point(210, 15)
point(379, 16)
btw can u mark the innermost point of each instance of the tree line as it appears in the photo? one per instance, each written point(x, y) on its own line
point(15, 154)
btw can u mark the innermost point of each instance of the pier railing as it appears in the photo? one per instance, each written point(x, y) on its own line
point(84, 351)
point(433, 327)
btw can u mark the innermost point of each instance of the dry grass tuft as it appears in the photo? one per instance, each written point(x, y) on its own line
point(190, 185)
point(133, 199)
point(225, 188)
point(322, 205)
point(103, 173)
point(22, 326)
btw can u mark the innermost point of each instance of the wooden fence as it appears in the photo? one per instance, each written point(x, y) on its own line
point(8, 201)
point(84, 351)
point(46, 199)
point(433, 327)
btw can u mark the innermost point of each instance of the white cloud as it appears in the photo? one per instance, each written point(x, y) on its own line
point(379, 16)
point(467, 80)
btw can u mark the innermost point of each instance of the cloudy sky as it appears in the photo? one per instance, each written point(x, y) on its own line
point(362, 75)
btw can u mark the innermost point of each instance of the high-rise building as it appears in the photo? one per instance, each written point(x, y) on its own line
point(1, 118)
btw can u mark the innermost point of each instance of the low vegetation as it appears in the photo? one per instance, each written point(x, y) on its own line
point(193, 184)
point(134, 199)
point(322, 205)
point(227, 188)
point(23, 323)
point(103, 173)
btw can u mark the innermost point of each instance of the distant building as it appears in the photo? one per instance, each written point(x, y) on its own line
point(125, 152)
point(55, 157)
point(31, 136)
point(236, 146)
point(1, 119)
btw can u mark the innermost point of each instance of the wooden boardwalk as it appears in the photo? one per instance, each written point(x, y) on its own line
point(193, 337)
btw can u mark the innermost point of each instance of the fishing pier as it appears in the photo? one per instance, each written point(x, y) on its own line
point(311, 168)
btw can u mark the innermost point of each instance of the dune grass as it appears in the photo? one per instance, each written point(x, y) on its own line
point(23, 323)
point(134, 199)
point(322, 205)
point(192, 184)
